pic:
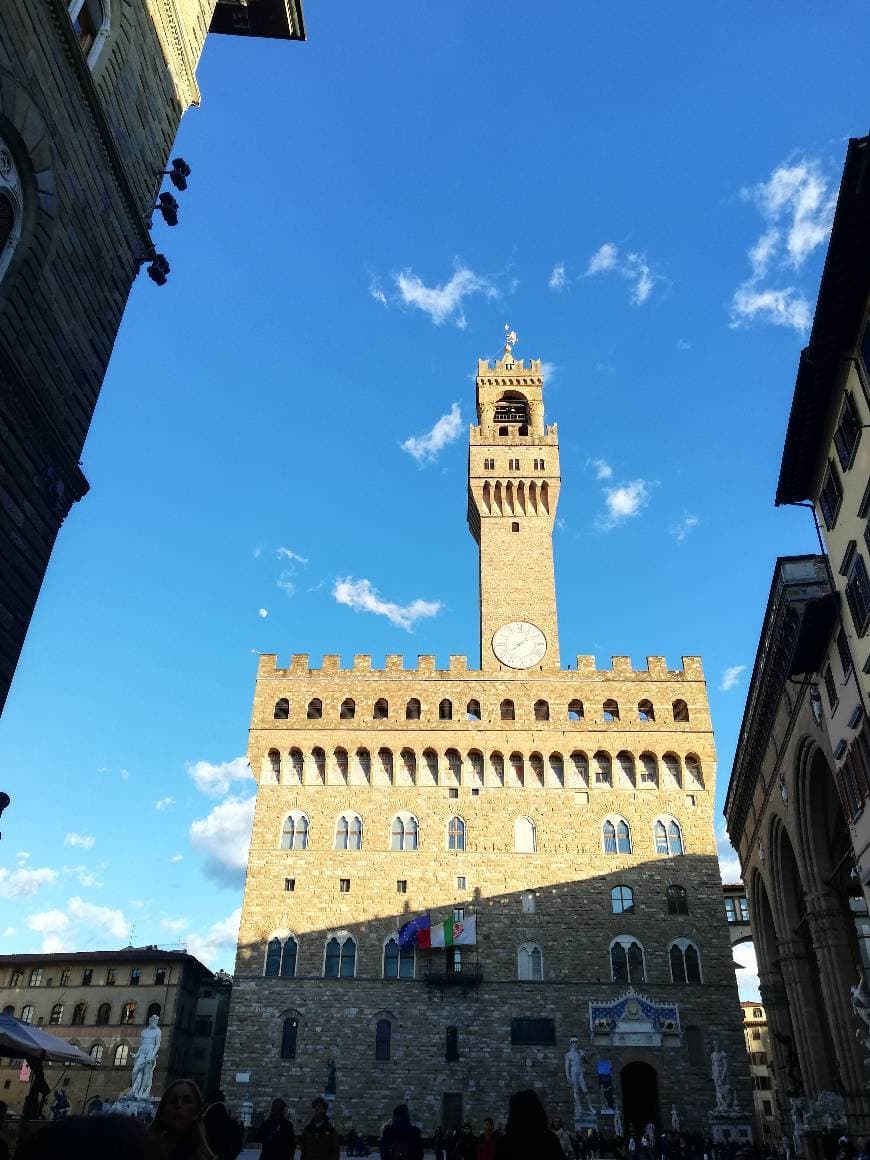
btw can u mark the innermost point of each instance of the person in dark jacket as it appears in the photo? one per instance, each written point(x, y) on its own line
point(319, 1138)
point(226, 1137)
point(401, 1139)
point(276, 1134)
point(526, 1133)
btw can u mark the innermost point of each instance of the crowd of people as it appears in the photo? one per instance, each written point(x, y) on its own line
point(186, 1127)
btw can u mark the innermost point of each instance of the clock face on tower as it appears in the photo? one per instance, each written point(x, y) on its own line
point(519, 644)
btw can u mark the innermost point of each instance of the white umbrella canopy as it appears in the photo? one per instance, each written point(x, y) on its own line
point(22, 1041)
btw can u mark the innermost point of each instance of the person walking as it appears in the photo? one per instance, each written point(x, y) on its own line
point(563, 1137)
point(526, 1133)
point(401, 1139)
point(225, 1136)
point(488, 1139)
point(178, 1122)
point(319, 1139)
point(276, 1135)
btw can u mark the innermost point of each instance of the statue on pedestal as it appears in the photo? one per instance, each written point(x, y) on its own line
point(675, 1118)
point(145, 1060)
point(725, 1101)
point(574, 1061)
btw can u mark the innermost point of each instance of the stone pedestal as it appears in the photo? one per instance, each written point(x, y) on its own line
point(732, 1125)
point(585, 1120)
point(140, 1107)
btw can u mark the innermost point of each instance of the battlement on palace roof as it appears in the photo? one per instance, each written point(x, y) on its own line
point(621, 669)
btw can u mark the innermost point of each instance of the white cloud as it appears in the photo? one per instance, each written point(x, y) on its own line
point(286, 554)
point(103, 919)
point(603, 470)
point(177, 858)
point(747, 973)
point(176, 925)
point(9, 931)
point(634, 267)
point(24, 883)
point(683, 345)
point(23, 857)
point(164, 803)
point(125, 774)
point(362, 596)
point(376, 292)
point(218, 943)
point(558, 278)
point(682, 529)
point(263, 613)
point(426, 448)
point(548, 371)
point(224, 836)
point(624, 501)
point(84, 876)
point(797, 206)
point(730, 677)
point(216, 779)
point(285, 583)
point(445, 301)
point(729, 863)
point(83, 841)
point(48, 921)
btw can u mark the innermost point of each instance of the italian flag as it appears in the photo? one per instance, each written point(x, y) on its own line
point(449, 934)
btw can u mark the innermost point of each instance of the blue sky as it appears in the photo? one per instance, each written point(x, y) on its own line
point(643, 192)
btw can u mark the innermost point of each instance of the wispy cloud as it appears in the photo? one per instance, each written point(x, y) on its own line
point(442, 302)
point(729, 863)
point(633, 267)
point(223, 837)
point(24, 882)
point(176, 925)
point(218, 941)
point(683, 345)
point(730, 677)
point(683, 528)
point(426, 448)
point(623, 502)
point(797, 205)
point(262, 613)
point(164, 803)
point(177, 858)
point(286, 582)
point(214, 779)
point(362, 596)
point(84, 876)
point(558, 278)
point(377, 293)
point(603, 470)
point(548, 371)
point(83, 841)
point(287, 554)
point(104, 919)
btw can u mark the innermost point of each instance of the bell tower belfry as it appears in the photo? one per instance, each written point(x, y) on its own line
point(513, 490)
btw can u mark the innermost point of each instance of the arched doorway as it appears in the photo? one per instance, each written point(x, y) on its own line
point(640, 1096)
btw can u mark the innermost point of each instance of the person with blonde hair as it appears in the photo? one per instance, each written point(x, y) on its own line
point(178, 1122)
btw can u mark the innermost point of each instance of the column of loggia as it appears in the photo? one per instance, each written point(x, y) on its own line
point(787, 1085)
point(832, 946)
point(809, 1032)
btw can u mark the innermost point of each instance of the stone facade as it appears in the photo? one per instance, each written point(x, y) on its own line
point(758, 1048)
point(486, 792)
point(91, 95)
point(85, 998)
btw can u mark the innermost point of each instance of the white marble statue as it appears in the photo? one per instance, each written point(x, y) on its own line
point(675, 1118)
point(861, 1006)
point(145, 1060)
point(617, 1122)
point(574, 1061)
point(719, 1068)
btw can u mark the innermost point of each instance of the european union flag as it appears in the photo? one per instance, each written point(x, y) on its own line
point(408, 932)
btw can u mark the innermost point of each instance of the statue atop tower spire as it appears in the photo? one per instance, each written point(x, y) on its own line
point(510, 341)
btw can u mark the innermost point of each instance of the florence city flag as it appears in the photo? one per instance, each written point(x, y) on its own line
point(449, 934)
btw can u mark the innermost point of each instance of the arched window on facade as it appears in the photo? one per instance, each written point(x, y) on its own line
point(412, 710)
point(56, 1015)
point(409, 765)
point(128, 1013)
point(347, 709)
point(314, 712)
point(530, 963)
point(339, 961)
point(580, 765)
point(430, 759)
point(575, 710)
point(518, 769)
point(96, 1053)
point(472, 711)
point(11, 207)
point(645, 711)
point(557, 768)
point(542, 711)
point(693, 769)
point(507, 711)
point(119, 1059)
point(294, 833)
point(282, 952)
point(616, 836)
point(626, 960)
point(454, 764)
point(685, 961)
point(282, 709)
point(318, 756)
point(649, 770)
point(678, 901)
point(404, 832)
point(398, 961)
point(602, 765)
point(681, 711)
point(445, 710)
point(9, 1009)
point(525, 836)
point(348, 831)
point(383, 1035)
point(673, 769)
point(610, 710)
point(364, 761)
point(695, 1046)
point(90, 21)
point(456, 834)
point(627, 775)
point(381, 710)
point(536, 764)
point(342, 764)
point(668, 836)
point(79, 1013)
point(275, 763)
point(104, 1014)
point(27, 1013)
point(451, 1046)
point(475, 760)
point(297, 764)
point(622, 900)
point(272, 967)
point(385, 756)
point(153, 1009)
point(289, 1036)
point(496, 761)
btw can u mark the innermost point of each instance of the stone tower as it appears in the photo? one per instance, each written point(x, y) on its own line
point(568, 810)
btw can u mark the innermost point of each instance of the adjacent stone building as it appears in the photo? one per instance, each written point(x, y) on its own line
point(101, 1001)
point(569, 810)
point(91, 95)
point(758, 1048)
